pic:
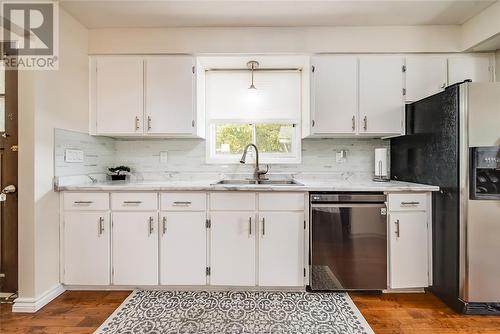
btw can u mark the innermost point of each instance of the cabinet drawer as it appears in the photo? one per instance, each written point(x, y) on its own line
point(86, 201)
point(281, 201)
point(183, 201)
point(134, 201)
point(232, 201)
point(407, 202)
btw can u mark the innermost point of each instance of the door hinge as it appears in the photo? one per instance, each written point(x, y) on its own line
point(313, 68)
point(404, 91)
point(304, 272)
point(208, 223)
point(192, 69)
point(207, 271)
point(403, 68)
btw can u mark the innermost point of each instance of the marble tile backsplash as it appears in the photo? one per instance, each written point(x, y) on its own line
point(98, 153)
point(187, 156)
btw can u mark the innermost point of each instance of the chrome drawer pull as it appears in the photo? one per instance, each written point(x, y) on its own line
point(397, 228)
point(83, 202)
point(132, 202)
point(182, 203)
point(151, 228)
point(249, 226)
point(164, 221)
point(365, 123)
point(353, 123)
point(410, 203)
point(101, 225)
point(263, 226)
point(136, 123)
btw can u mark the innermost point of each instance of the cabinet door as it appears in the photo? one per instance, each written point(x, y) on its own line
point(183, 248)
point(474, 67)
point(119, 95)
point(281, 249)
point(381, 100)
point(408, 250)
point(170, 95)
point(135, 248)
point(232, 255)
point(86, 248)
point(425, 76)
point(334, 95)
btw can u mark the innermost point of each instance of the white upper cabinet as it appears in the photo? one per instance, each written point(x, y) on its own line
point(143, 96)
point(475, 67)
point(426, 75)
point(170, 98)
point(118, 95)
point(334, 91)
point(381, 100)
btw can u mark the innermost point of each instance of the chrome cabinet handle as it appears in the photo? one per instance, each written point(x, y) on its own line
point(182, 203)
point(365, 123)
point(151, 228)
point(132, 202)
point(101, 225)
point(410, 203)
point(136, 123)
point(397, 228)
point(353, 123)
point(149, 123)
point(263, 226)
point(443, 85)
point(249, 226)
point(164, 222)
point(83, 202)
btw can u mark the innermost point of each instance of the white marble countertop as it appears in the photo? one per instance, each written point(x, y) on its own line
point(314, 184)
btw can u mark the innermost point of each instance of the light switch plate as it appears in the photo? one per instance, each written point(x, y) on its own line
point(163, 157)
point(71, 155)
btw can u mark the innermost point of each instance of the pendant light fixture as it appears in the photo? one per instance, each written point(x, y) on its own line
point(252, 65)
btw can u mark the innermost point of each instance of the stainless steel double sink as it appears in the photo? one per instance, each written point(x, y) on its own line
point(236, 182)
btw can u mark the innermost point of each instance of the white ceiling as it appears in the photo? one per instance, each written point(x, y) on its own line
point(255, 13)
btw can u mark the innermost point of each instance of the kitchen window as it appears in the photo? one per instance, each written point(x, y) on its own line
point(268, 116)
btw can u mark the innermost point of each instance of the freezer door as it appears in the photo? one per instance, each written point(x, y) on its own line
point(349, 247)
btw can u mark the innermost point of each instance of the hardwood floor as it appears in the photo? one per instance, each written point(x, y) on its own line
point(84, 311)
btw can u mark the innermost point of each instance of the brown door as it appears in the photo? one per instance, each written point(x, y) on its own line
point(8, 179)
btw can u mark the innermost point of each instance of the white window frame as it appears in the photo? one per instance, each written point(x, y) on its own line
point(294, 157)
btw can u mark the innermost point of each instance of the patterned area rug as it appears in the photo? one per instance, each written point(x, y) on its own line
point(236, 312)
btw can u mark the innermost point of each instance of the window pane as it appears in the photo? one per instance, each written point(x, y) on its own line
point(2, 114)
point(275, 138)
point(232, 138)
point(2, 78)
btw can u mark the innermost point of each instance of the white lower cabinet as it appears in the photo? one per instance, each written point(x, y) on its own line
point(408, 240)
point(232, 258)
point(281, 249)
point(86, 248)
point(183, 248)
point(135, 248)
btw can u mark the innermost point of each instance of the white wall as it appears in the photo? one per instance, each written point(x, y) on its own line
point(497, 65)
point(276, 40)
point(47, 99)
point(481, 27)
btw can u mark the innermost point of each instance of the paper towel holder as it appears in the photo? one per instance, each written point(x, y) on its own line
point(380, 171)
point(380, 178)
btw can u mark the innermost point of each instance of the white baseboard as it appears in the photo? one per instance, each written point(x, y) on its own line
point(32, 305)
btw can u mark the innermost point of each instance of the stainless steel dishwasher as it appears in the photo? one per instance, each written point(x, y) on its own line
point(348, 241)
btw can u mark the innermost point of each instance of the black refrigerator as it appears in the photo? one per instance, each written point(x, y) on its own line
point(441, 131)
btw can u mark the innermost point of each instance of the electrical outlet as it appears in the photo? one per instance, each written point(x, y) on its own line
point(163, 157)
point(341, 156)
point(71, 155)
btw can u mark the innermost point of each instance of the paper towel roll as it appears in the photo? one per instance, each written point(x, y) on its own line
point(381, 162)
